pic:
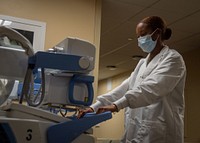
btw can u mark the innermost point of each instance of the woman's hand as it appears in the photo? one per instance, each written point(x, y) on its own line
point(82, 112)
point(112, 108)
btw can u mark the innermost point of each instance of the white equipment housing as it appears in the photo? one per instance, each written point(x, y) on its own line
point(20, 123)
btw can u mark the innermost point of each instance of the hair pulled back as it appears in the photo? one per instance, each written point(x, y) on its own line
point(155, 22)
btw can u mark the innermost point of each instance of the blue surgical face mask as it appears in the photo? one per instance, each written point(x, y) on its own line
point(146, 43)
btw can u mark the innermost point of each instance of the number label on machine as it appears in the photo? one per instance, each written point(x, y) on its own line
point(29, 134)
point(24, 134)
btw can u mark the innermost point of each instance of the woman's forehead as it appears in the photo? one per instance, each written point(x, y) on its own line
point(142, 28)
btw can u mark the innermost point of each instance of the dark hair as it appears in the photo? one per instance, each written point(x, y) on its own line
point(155, 22)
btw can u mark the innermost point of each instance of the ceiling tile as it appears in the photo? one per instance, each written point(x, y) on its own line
point(176, 36)
point(114, 13)
point(189, 24)
point(169, 17)
point(129, 65)
point(180, 7)
point(143, 3)
point(188, 43)
point(117, 37)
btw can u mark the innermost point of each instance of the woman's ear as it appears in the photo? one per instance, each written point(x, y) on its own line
point(157, 34)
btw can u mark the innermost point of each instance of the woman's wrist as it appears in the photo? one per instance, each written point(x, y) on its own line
point(91, 109)
point(116, 108)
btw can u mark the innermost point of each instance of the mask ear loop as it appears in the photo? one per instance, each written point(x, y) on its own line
point(158, 35)
point(153, 33)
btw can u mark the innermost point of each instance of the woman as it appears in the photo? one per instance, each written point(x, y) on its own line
point(154, 93)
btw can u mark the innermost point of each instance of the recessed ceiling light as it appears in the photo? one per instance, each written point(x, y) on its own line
point(137, 57)
point(111, 67)
point(130, 39)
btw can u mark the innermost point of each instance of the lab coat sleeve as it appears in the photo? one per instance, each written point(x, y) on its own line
point(160, 82)
point(112, 96)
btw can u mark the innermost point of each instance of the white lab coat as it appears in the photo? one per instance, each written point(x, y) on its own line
point(154, 97)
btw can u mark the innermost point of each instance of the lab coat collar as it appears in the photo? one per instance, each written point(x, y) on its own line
point(155, 61)
point(158, 56)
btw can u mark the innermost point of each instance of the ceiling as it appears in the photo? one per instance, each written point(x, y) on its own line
point(119, 18)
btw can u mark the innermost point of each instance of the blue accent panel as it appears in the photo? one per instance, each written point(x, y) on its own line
point(36, 88)
point(88, 80)
point(6, 134)
point(19, 90)
point(58, 61)
point(66, 132)
point(37, 76)
point(32, 60)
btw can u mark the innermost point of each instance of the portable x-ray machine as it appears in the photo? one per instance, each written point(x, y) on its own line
point(53, 84)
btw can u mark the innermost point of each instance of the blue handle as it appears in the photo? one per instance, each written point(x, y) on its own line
point(88, 80)
point(66, 132)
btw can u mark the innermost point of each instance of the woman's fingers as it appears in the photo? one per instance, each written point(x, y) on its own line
point(82, 112)
point(101, 110)
point(112, 108)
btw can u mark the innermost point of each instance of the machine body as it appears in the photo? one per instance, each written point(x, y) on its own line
point(44, 82)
